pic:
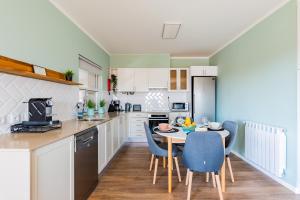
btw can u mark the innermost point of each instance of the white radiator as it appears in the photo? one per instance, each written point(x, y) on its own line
point(265, 146)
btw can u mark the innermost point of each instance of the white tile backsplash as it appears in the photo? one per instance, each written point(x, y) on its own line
point(14, 90)
point(154, 100)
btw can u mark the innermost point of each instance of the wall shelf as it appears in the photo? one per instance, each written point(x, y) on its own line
point(19, 68)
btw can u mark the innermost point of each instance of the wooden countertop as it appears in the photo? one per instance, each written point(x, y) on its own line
point(32, 141)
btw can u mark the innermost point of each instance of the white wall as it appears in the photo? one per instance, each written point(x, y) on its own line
point(14, 90)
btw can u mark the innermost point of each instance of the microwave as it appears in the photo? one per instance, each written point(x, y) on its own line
point(180, 106)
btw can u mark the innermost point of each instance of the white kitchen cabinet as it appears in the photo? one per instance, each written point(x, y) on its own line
point(158, 77)
point(123, 130)
point(179, 79)
point(109, 140)
point(141, 80)
point(136, 127)
point(101, 147)
point(125, 79)
point(204, 70)
point(53, 171)
point(115, 124)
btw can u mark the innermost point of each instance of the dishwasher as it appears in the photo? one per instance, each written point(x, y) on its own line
point(86, 163)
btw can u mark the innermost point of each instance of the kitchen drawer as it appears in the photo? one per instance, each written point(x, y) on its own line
point(137, 127)
point(138, 133)
point(138, 115)
point(138, 120)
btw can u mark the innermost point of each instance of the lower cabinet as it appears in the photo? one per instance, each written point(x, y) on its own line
point(136, 127)
point(53, 171)
point(116, 133)
point(112, 136)
point(109, 140)
point(102, 159)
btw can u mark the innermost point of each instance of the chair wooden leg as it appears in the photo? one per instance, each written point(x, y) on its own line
point(213, 179)
point(155, 171)
point(151, 163)
point(219, 186)
point(190, 185)
point(177, 168)
point(164, 162)
point(187, 177)
point(230, 169)
point(207, 177)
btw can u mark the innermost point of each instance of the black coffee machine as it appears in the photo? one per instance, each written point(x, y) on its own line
point(40, 109)
point(40, 117)
point(115, 106)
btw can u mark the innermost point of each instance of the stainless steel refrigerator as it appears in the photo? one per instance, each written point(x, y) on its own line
point(204, 97)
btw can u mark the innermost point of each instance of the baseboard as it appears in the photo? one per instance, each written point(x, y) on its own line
point(278, 180)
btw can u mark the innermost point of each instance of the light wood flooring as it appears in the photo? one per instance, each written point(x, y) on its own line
point(128, 177)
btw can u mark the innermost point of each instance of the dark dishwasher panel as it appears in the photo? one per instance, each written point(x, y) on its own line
point(86, 163)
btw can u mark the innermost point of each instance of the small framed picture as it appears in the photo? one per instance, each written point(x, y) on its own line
point(39, 70)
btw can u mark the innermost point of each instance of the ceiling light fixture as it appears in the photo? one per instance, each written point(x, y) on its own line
point(170, 30)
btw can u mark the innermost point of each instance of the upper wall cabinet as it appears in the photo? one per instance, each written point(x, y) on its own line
point(158, 77)
point(204, 71)
point(141, 79)
point(178, 79)
point(125, 79)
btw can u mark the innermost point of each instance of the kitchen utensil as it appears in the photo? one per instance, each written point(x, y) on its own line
point(127, 107)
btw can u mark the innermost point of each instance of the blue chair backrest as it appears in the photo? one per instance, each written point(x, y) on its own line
point(153, 147)
point(203, 152)
point(232, 127)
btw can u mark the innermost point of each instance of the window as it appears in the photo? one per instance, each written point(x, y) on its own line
point(90, 76)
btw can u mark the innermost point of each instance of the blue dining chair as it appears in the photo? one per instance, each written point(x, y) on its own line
point(203, 152)
point(232, 127)
point(159, 151)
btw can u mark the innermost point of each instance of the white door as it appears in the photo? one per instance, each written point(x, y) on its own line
point(101, 147)
point(125, 79)
point(121, 130)
point(115, 123)
point(158, 77)
point(53, 171)
point(141, 83)
point(109, 148)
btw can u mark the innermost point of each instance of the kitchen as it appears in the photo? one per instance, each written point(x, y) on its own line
point(64, 66)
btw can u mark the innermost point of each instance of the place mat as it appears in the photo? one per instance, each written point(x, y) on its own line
point(173, 130)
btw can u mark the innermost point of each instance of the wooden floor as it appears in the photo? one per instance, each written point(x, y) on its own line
point(128, 178)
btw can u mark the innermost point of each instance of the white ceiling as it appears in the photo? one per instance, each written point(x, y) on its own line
point(135, 26)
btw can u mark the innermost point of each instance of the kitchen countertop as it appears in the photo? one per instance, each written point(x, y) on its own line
point(32, 141)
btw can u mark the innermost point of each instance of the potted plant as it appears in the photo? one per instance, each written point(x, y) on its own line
point(101, 106)
point(69, 75)
point(114, 82)
point(90, 108)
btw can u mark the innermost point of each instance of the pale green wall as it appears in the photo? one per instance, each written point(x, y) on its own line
point(257, 80)
point(36, 32)
point(140, 60)
point(187, 62)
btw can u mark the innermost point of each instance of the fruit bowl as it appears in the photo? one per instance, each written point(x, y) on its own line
point(190, 128)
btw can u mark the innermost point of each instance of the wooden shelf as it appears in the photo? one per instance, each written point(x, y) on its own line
point(19, 68)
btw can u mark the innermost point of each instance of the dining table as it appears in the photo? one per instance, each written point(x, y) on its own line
point(179, 137)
